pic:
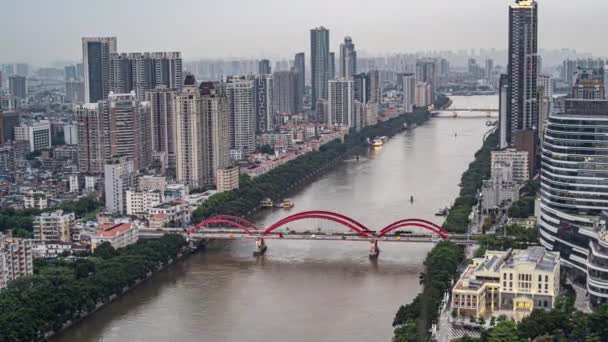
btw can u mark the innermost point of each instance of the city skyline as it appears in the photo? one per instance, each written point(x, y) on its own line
point(418, 26)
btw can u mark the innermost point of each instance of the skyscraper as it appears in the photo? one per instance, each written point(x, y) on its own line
point(96, 67)
point(127, 123)
point(425, 72)
point(241, 103)
point(341, 103)
point(332, 66)
point(216, 130)
point(284, 92)
point(162, 123)
point(375, 92)
point(489, 69)
point(17, 86)
point(409, 92)
point(118, 178)
point(264, 112)
point(300, 69)
point(264, 67)
point(91, 139)
point(523, 68)
point(362, 88)
point(189, 135)
point(319, 63)
point(348, 59)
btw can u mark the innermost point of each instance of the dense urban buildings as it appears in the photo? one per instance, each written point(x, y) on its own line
point(284, 85)
point(16, 259)
point(17, 86)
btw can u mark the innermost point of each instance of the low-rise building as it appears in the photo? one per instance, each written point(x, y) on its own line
point(138, 202)
point(35, 200)
point(195, 200)
point(500, 190)
point(227, 179)
point(518, 161)
point(119, 235)
point(16, 259)
point(177, 212)
point(515, 281)
point(53, 226)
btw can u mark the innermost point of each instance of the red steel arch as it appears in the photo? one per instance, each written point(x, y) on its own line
point(415, 223)
point(218, 220)
point(339, 216)
point(347, 222)
point(237, 219)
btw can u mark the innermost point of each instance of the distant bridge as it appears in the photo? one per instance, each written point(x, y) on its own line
point(491, 110)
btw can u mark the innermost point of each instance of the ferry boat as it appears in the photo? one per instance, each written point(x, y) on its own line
point(267, 203)
point(287, 203)
point(442, 212)
point(379, 141)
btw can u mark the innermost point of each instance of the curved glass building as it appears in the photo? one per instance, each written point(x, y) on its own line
point(574, 191)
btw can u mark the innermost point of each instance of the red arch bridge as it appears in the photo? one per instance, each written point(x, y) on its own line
point(317, 225)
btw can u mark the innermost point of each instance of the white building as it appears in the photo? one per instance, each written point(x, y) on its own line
point(74, 183)
point(118, 178)
point(35, 200)
point(53, 226)
point(119, 235)
point(139, 202)
point(38, 134)
point(70, 134)
point(424, 94)
point(341, 103)
point(151, 183)
point(500, 190)
point(518, 161)
point(176, 212)
point(409, 92)
point(241, 104)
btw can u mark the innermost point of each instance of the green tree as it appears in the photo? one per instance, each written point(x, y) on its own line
point(104, 250)
point(505, 331)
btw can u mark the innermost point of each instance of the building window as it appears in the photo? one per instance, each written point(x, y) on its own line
point(547, 278)
point(510, 276)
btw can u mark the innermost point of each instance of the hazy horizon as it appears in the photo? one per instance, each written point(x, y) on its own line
point(41, 33)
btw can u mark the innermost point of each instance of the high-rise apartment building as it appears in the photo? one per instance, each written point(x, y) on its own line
point(96, 67)
point(91, 139)
point(348, 59)
point(119, 175)
point(128, 129)
point(241, 103)
point(424, 97)
point(425, 72)
point(489, 69)
point(589, 84)
point(341, 103)
point(216, 130)
point(17, 86)
point(409, 92)
point(264, 96)
point(284, 92)
point(375, 86)
point(162, 123)
point(74, 91)
point(319, 63)
point(362, 88)
point(189, 135)
point(545, 102)
point(574, 190)
point(69, 72)
point(141, 72)
point(264, 67)
point(53, 226)
point(16, 259)
point(300, 69)
point(523, 68)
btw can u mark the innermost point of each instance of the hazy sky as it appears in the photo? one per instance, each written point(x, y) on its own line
point(41, 31)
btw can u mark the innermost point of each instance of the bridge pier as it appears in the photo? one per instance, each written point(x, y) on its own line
point(260, 247)
point(374, 250)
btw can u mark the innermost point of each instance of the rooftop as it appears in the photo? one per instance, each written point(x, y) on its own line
point(113, 229)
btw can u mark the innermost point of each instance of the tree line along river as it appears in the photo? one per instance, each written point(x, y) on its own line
point(305, 291)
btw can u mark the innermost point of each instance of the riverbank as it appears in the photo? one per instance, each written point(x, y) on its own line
point(300, 171)
point(63, 292)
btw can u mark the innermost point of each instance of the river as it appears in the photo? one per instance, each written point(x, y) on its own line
point(305, 291)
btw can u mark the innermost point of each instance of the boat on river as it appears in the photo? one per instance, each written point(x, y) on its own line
point(260, 247)
point(374, 250)
point(442, 212)
point(379, 141)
